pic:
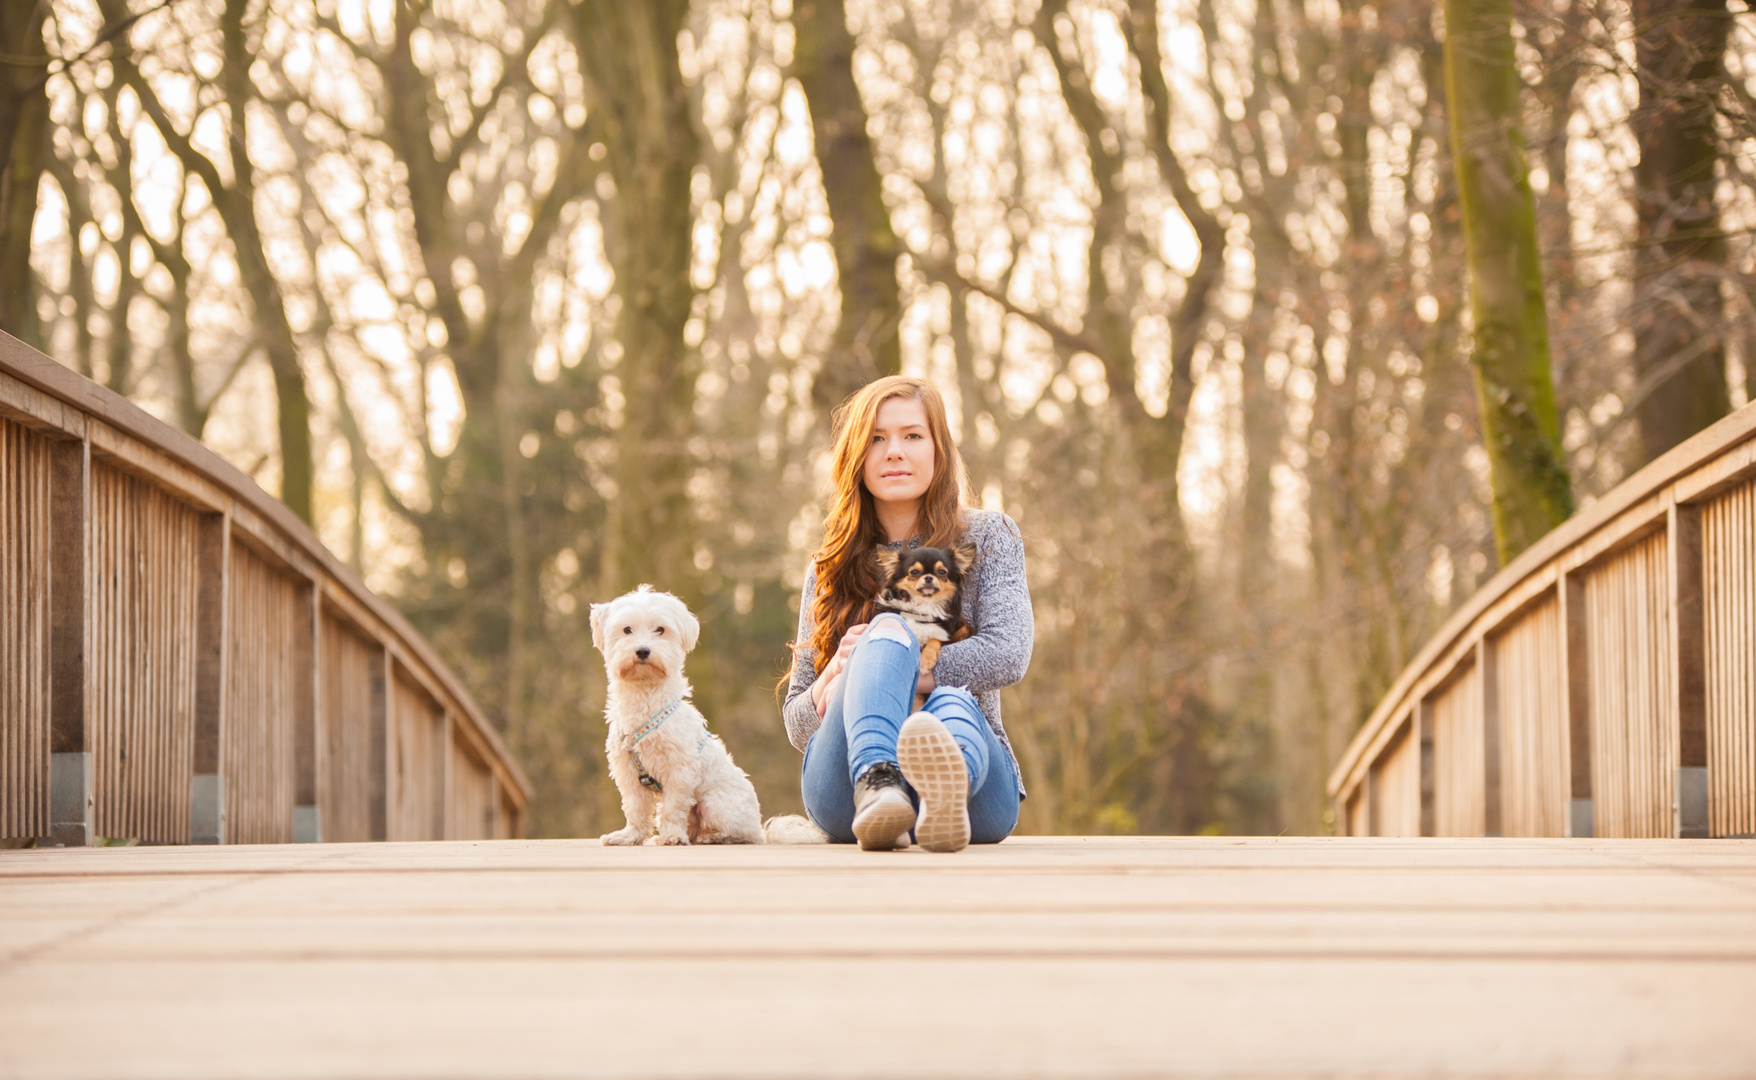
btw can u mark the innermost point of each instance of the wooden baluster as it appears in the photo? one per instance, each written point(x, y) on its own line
point(1423, 733)
point(307, 747)
point(448, 735)
point(1493, 807)
point(381, 735)
point(1575, 646)
point(1369, 803)
point(1689, 660)
point(72, 782)
point(207, 791)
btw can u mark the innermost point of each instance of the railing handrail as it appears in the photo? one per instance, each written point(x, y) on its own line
point(89, 399)
point(1735, 434)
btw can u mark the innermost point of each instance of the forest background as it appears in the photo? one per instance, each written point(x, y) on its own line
point(549, 297)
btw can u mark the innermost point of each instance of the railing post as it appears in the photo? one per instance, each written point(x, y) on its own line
point(447, 735)
point(1493, 809)
point(207, 787)
point(1689, 668)
point(72, 778)
point(1423, 734)
point(307, 747)
point(381, 733)
point(1575, 643)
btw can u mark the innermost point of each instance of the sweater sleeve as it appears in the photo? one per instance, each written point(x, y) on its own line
point(799, 713)
point(998, 653)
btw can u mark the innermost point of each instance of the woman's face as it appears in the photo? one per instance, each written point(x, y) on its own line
point(900, 458)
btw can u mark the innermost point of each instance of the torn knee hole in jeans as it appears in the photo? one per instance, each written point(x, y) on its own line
point(889, 629)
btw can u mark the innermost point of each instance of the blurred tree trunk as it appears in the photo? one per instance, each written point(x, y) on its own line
point(1272, 757)
point(191, 410)
point(1679, 319)
point(1141, 30)
point(119, 342)
point(866, 344)
point(481, 517)
point(79, 289)
point(1181, 787)
point(466, 525)
point(1560, 38)
point(24, 154)
point(1561, 33)
point(236, 204)
point(238, 207)
point(1257, 584)
point(1368, 523)
point(976, 396)
point(639, 108)
point(1532, 492)
point(1109, 323)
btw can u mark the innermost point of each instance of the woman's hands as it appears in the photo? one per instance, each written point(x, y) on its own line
point(832, 670)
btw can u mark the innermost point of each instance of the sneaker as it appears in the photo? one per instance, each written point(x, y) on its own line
point(933, 766)
point(883, 813)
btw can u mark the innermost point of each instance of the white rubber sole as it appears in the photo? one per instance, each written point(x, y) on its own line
point(884, 823)
point(933, 765)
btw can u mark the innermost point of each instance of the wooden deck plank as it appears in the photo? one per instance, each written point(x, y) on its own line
point(1041, 957)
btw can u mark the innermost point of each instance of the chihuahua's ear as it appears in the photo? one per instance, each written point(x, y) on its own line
point(886, 559)
point(965, 554)
point(599, 612)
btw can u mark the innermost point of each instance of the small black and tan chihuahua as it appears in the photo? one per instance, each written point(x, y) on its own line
point(925, 586)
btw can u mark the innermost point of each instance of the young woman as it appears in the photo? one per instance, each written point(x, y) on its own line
point(868, 761)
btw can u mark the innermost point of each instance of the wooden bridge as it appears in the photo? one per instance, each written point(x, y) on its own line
point(1041, 957)
point(1603, 684)
point(182, 661)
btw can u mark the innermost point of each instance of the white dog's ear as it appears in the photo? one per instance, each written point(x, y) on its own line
point(689, 627)
point(599, 612)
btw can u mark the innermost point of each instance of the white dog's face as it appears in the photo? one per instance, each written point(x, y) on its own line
point(643, 634)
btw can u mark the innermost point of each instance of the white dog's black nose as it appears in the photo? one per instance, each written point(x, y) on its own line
point(643, 652)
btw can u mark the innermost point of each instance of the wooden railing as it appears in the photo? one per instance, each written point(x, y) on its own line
point(182, 661)
point(1603, 684)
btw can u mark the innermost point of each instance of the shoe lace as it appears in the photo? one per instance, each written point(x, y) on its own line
point(883, 774)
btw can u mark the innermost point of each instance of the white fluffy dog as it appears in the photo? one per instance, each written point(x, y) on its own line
point(665, 763)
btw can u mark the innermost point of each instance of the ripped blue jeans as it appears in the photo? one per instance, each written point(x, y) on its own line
point(867, 706)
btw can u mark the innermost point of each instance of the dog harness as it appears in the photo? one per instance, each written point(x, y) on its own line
point(632, 740)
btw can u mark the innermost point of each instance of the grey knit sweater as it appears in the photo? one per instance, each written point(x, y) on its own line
point(996, 603)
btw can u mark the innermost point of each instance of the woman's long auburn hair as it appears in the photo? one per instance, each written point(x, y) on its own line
point(847, 580)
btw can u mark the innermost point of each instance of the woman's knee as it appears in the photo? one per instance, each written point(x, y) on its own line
point(838, 830)
point(978, 835)
point(993, 819)
point(953, 697)
point(824, 787)
point(889, 626)
point(828, 806)
point(890, 629)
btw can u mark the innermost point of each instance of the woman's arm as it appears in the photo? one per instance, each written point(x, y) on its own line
point(800, 712)
point(999, 652)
